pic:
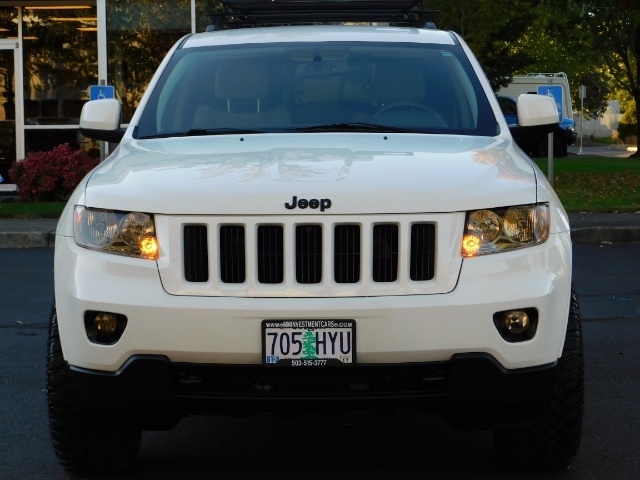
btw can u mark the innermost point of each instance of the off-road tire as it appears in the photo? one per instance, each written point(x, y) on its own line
point(553, 441)
point(85, 441)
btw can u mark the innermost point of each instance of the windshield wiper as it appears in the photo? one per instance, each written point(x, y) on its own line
point(221, 131)
point(330, 127)
point(194, 132)
point(355, 127)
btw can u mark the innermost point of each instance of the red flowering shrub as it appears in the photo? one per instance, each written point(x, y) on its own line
point(52, 175)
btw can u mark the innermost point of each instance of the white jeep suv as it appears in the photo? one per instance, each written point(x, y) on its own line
point(318, 218)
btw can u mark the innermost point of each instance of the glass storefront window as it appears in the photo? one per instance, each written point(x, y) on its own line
point(8, 29)
point(139, 34)
point(8, 22)
point(60, 63)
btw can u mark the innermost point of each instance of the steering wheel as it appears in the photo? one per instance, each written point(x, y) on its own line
point(406, 106)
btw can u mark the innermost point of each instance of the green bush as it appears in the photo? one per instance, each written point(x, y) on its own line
point(52, 175)
point(628, 125)
point(626, 130)
point(630, 114)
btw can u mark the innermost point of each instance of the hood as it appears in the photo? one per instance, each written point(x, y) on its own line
point(337, 173)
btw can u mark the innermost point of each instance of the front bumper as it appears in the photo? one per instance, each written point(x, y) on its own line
point(471, 390)
point(391, 329)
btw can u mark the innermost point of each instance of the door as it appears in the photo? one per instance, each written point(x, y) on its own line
point(11, 124)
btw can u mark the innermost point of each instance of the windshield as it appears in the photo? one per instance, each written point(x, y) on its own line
point(329, 86)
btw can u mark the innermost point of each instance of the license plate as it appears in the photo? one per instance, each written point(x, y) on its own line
point(308, 343)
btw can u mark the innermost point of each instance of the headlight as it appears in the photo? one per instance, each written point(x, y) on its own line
point(122, 233)
point(503, 229)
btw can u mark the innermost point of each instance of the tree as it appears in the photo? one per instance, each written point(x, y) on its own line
point(559, 41)
point(490, 27)
point(140, 33)
point(309, 345)
point(616, 37)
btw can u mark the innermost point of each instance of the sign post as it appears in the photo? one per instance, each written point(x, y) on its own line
point(582, 92)
point(100, 92)
point(555, 92)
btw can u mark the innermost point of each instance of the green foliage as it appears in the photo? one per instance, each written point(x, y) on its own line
point(628, 124)
point(140, 33)
point(596, 44)
point(560, 42)
point(631, 114)
point(52, 175)
point(626, 130)
point(490, 27)
point(615, 36)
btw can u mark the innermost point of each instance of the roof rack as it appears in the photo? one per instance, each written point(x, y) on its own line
point(250, 13)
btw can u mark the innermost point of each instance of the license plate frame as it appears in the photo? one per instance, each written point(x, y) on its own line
point(286, 343)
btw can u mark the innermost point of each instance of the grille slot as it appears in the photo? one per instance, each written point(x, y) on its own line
point(232, 254)
point(196, 253)
point(308, 254)
point(270, 254)
point(385, 253)
point(423, 239)
point(346, 255)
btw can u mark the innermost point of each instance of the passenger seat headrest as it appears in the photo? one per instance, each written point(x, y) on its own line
point(242, 79)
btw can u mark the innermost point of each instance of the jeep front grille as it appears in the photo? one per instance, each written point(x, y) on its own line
point(344, 265)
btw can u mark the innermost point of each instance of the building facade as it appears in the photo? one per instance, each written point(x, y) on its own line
point(52, 52)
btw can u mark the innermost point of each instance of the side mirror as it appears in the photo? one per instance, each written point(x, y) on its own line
point(538, 111)
point(100, 120)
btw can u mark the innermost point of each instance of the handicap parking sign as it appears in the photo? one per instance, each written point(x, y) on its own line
point(98, 92)
point(554, 91)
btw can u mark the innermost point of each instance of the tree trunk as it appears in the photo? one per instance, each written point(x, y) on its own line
point(636, 91)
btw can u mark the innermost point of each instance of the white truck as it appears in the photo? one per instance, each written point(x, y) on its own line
point(555, 85)
point(315, 219)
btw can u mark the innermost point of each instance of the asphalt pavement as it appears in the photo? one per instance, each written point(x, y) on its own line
point(321, 447)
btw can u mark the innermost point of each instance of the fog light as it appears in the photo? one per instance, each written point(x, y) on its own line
point(517, 322)
point(104, 328)
point(517, 325)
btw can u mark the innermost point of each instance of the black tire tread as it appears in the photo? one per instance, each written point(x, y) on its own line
point(84, 441)
point(554, 441)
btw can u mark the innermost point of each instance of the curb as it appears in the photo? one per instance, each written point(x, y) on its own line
point(606, 235)
point(28, 239)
